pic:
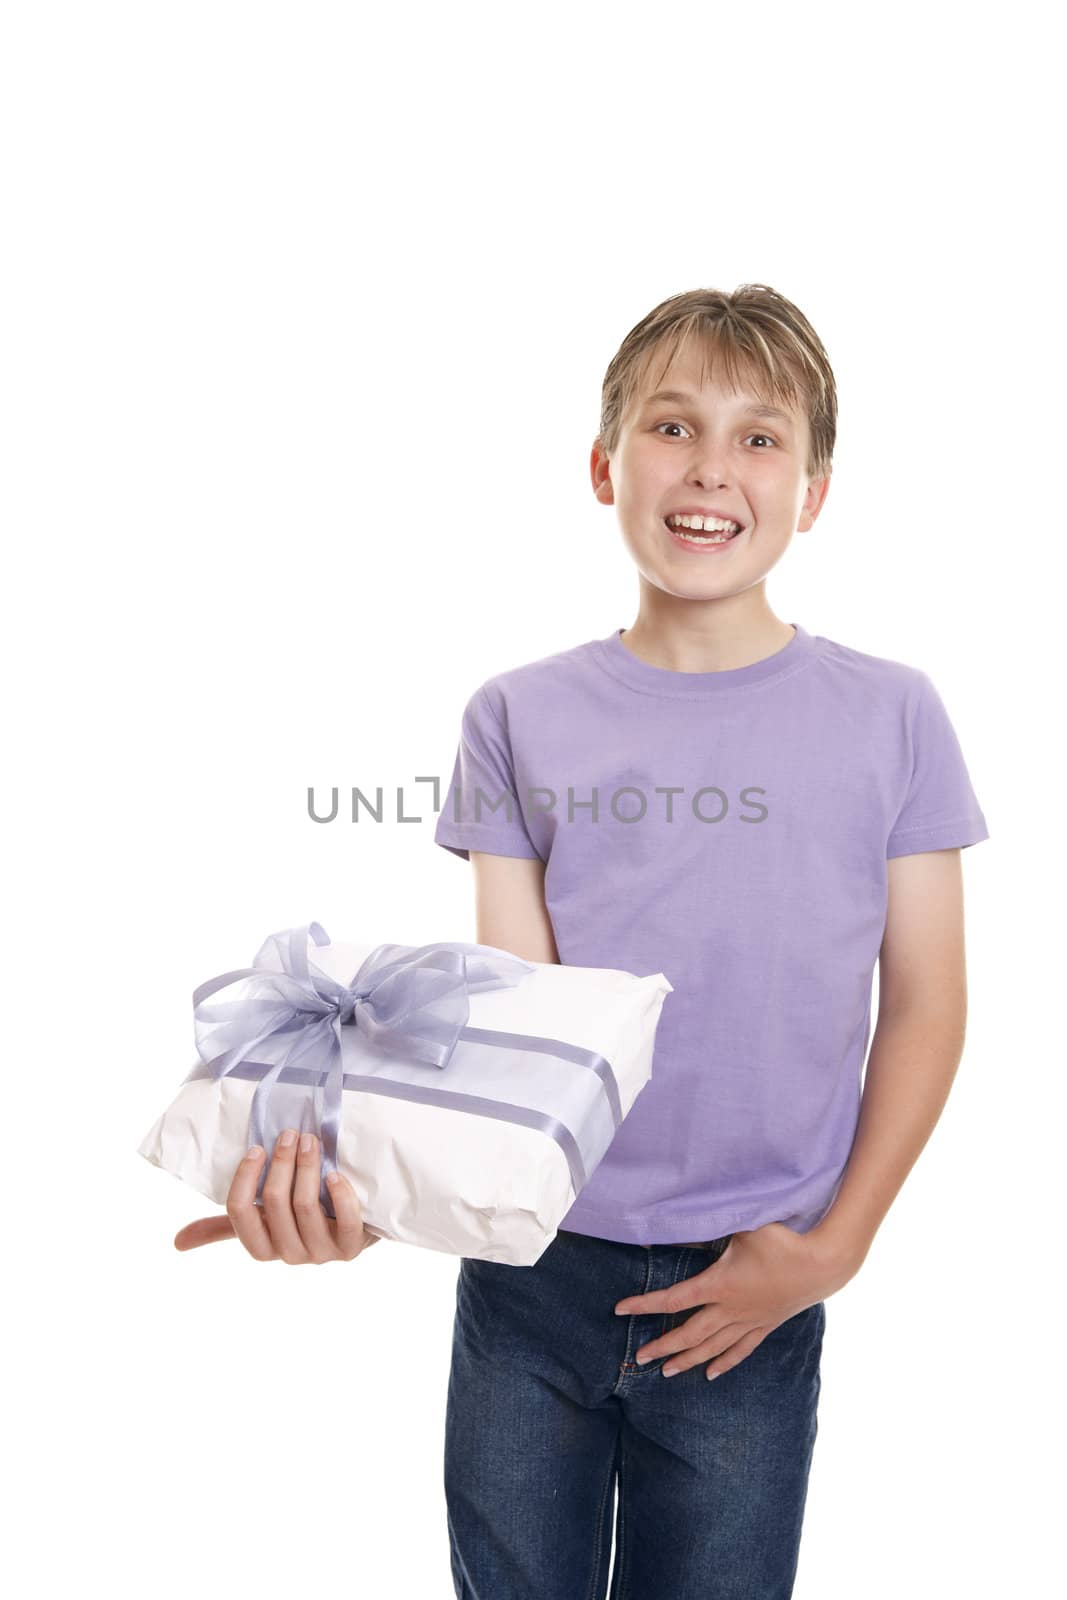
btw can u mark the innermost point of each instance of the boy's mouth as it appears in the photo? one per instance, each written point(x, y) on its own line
point(698, 539)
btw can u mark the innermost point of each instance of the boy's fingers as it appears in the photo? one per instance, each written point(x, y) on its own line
point(297, 1212)
point(278, 1202)
point(205, 1230)
point(349, 1236)
point(311, 1220)
point(244, 1214)
point(679, 1297)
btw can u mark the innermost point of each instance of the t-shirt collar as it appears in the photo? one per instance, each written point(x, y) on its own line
point(621, 662)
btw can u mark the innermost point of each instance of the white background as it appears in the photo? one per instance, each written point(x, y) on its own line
point(307, 310)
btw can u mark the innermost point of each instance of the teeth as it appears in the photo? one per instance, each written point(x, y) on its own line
point(707, 524)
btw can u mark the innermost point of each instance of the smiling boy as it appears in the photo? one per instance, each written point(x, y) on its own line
point(762, 814)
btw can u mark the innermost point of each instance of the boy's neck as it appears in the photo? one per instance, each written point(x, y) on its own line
point(721, 643)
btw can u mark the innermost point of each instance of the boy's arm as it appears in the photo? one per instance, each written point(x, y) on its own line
point(917, 1045)
point(509, 894)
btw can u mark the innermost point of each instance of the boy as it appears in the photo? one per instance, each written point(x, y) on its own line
point(761, 814)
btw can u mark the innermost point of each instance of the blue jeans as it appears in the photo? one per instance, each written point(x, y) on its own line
point(547, 1407)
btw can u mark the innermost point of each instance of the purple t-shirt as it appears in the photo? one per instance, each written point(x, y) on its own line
point(731, 830)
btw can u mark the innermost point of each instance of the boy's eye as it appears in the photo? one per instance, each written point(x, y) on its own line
point(765, 436)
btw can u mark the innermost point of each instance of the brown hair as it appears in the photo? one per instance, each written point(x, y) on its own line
point(754, 332)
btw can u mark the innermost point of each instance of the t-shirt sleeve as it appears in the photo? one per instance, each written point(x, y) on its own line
point(481, 810)
point(940, 810)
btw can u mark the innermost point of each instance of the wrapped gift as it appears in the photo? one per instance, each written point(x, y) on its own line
point(466, 1095)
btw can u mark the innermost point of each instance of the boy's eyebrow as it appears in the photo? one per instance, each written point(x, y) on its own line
point(683, 397)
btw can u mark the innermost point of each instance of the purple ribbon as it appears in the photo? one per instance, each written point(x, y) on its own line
point(411, 1000)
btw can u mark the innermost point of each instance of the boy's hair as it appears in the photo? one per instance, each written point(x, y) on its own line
point(756, 334)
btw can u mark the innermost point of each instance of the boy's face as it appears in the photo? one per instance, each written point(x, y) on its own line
point(711, 452)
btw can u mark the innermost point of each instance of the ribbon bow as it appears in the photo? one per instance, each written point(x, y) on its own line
point(411, 1000)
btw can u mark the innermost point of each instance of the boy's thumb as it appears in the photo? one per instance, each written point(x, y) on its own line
point(205, 1230)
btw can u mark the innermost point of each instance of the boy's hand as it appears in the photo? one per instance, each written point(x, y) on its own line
point(762, 1278)
point(291, 1224)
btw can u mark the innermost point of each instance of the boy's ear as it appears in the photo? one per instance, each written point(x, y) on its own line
point(818, 489)
point(599, 473)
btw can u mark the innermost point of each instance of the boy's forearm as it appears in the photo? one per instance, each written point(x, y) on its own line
point(912, 1062)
